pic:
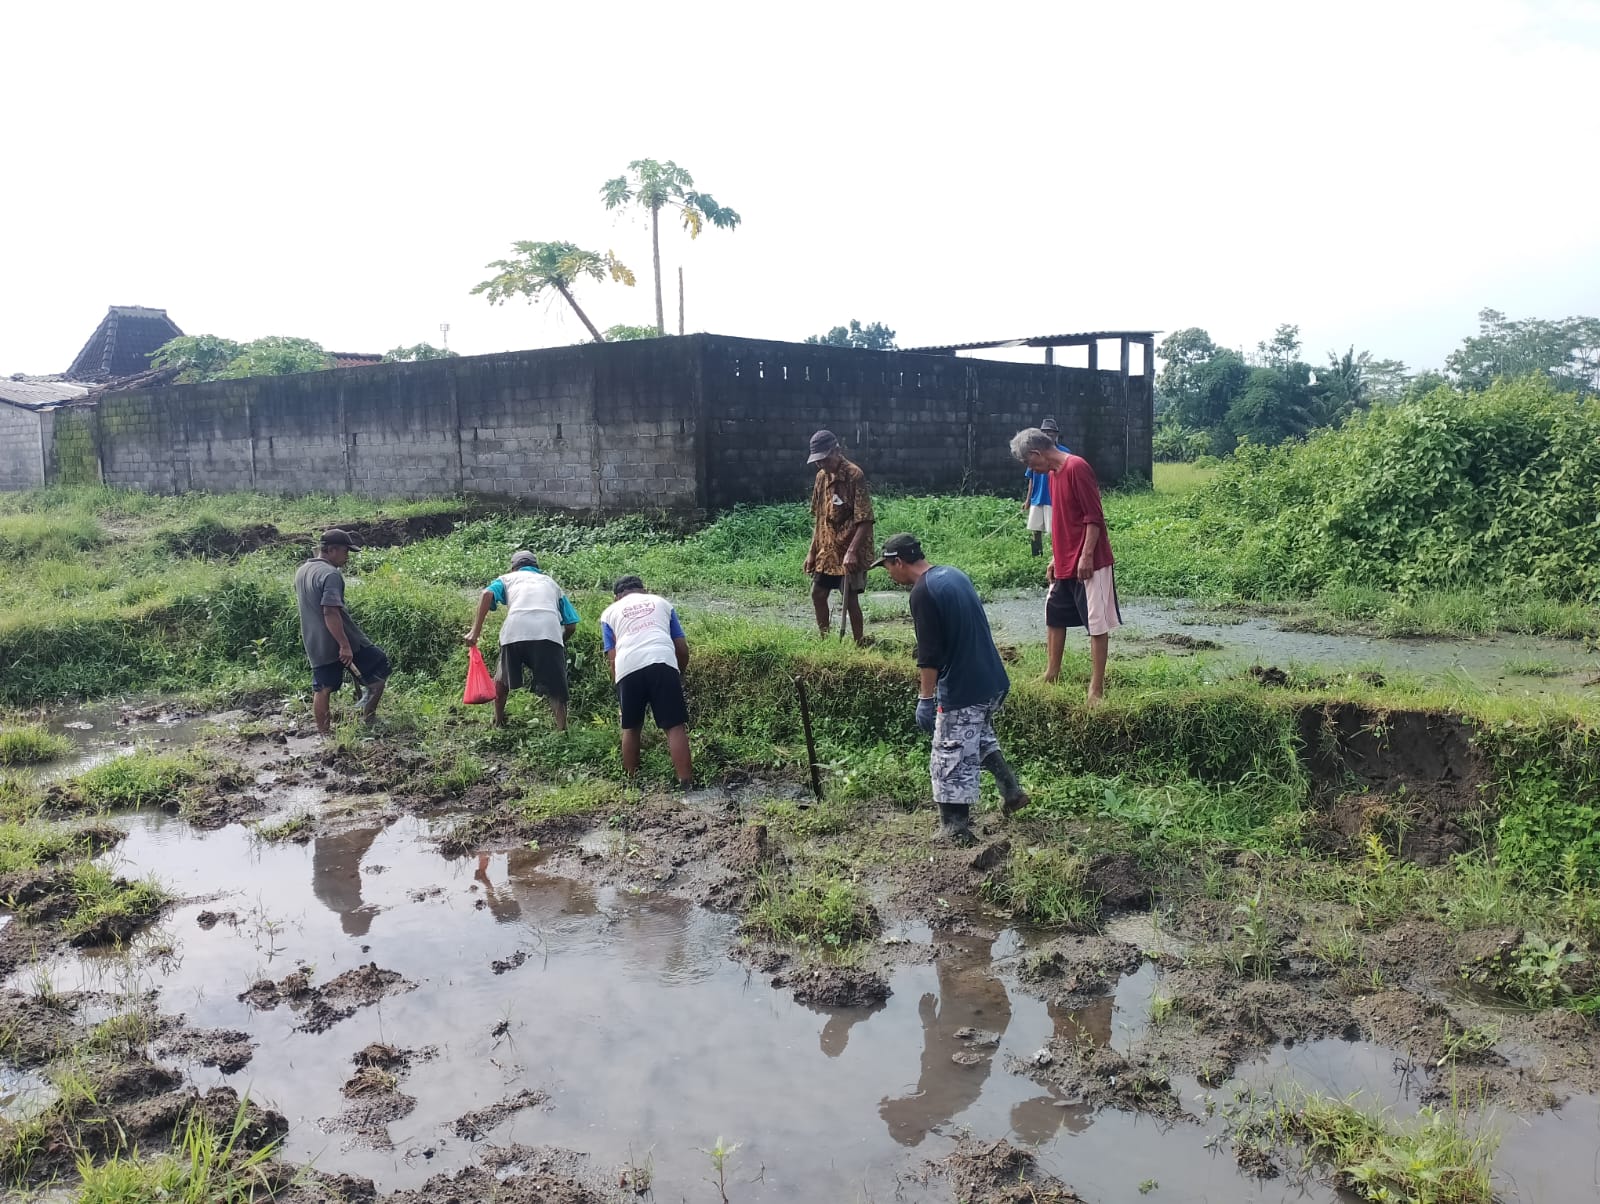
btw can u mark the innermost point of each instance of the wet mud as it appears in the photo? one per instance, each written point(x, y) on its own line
point(434, 1002)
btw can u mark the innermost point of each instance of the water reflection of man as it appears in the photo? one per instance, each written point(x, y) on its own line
point(542, 895)
point(969, 997)
point(336, 877)
point(1036, 1121)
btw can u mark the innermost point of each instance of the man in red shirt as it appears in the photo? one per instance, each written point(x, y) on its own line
point(1083, 590)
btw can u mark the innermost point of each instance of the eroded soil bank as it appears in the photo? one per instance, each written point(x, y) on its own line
point(442, 993)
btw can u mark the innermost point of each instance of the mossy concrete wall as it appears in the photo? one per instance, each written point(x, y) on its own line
point(694, 423)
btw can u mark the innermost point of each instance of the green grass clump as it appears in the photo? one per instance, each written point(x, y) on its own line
point(140, 779)
point(30, 844)
point(47, 536)
point(31, 743)
point(205, 1166)
point(584, 796)
point(812, 907)
point(1044, 886)
point(291, 827)
point(1433, 1158)
point(109, 906)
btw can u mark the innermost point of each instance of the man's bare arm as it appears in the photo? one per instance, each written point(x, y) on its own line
point(334, 620)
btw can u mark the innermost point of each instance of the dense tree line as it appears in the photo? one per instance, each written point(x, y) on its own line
point(1210, 398)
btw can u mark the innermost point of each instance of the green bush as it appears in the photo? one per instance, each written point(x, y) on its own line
point(1448, 492)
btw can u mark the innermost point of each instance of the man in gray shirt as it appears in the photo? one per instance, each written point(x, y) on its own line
point(333, 642)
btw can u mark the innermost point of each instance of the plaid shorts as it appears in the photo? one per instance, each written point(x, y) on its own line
point(962, 738)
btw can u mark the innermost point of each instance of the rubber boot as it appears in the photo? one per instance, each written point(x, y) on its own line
point(1013, 797)
point(955, 822)
point(1038, 543)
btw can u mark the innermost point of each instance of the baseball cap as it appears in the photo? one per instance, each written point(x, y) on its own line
point(823, 444)
point(1049, 427)
point(899, 547)
point(524, 559)
point(334, 537)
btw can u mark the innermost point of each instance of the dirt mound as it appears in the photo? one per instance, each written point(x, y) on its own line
point(998, 1172)
point(517, 1175)
point(335, 1000)
point(209, 539)
point(227, 1049)
point(37, 1030)
point(1414, 777)
point(1071, 970)
point(477, 1124)
point(1119, 882)
point(833, 986)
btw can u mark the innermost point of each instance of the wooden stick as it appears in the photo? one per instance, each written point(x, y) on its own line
point(811, 744)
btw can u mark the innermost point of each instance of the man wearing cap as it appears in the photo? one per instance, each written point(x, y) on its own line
point(332, 641)
point(645, 645)
point(962, 684)
point(539, 621)
point(1083, 589)
point(1037, 507)
point(841, 512)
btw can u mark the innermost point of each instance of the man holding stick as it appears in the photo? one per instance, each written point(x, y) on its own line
point(333, 642)
point(841, 512)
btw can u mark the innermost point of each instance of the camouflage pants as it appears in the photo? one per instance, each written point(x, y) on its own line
point(962, 738)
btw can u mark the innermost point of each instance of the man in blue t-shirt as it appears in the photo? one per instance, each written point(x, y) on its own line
point(963, 683)
point(1037, 507)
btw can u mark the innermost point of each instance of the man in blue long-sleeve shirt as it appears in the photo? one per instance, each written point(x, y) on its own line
point(963, 683)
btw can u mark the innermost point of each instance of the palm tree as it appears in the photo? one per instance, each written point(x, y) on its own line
point(655, 186)
point(547, 265)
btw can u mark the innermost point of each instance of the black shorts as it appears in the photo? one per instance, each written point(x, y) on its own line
point(828, 582)
point(546, 665)
point(660, 687)
point(371, 664)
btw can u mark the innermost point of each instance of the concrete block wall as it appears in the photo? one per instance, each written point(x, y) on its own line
point(21, 448)
point(692, 423)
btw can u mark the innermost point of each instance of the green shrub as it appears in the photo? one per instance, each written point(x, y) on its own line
point(30, 744)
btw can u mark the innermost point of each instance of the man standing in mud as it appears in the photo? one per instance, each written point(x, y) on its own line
point(645, 644)
point(841, 513)
point(1082, 587)
point(332, 641)
point(533, 639)
point(962, 684)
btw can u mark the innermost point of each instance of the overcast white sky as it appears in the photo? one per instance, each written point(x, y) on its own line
point(1374, 170)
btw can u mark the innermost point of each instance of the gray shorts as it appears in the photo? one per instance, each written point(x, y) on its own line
point(962, 738)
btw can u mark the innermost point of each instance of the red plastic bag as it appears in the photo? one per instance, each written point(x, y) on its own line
point(480, 686)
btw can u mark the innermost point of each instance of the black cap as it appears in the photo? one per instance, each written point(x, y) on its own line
point(899, 547)
point(1049, 427)
point(823, 445)
point(333, 537)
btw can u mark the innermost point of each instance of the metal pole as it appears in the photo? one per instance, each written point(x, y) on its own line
point(811, 744)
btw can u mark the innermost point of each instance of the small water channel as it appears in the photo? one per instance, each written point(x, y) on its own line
point(627, 1011)
point(1179, 627)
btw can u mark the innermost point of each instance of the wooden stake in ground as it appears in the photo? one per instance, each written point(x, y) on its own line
point(811, 744)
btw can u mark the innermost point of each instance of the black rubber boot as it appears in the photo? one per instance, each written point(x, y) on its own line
point(1013, 797)
point(955, 822)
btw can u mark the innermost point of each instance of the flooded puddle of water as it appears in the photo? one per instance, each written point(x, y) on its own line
point(104, 731)
point(647, 1037)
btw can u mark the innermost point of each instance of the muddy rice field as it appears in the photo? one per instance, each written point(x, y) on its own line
point(410, 994)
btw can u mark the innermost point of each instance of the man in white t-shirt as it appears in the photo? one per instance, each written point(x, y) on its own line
point(533, 639)
point(644, 642)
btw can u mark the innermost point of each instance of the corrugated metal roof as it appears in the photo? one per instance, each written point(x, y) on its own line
point(39, 393)
point(1041, 340)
